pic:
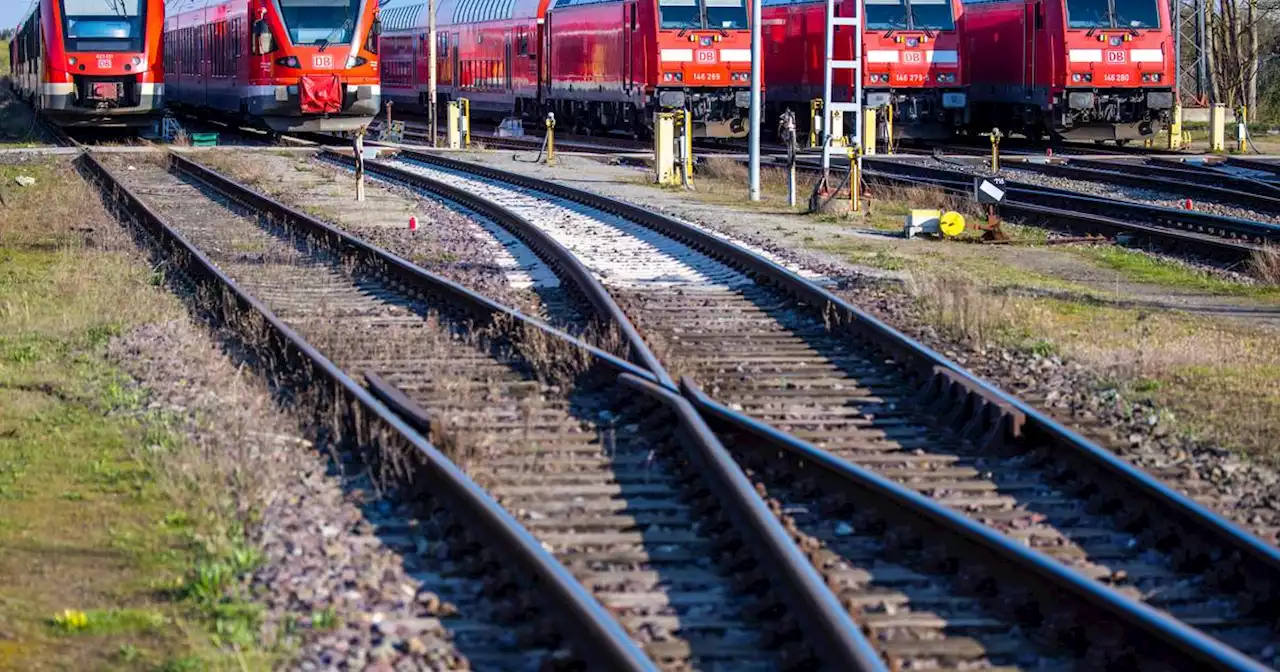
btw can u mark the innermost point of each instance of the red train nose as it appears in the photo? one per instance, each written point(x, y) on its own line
point(320, 94)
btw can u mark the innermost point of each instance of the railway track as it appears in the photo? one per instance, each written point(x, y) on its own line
point(1231, 239)
point(647, 546)
point(836, 383)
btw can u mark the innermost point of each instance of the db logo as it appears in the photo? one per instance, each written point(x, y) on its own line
point(912, 57)
point(1115, 57)
point(323, 61)
point(705, 56)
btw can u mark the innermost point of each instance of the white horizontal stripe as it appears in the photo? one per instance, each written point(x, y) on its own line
point(1085, 55)
point(844, 65)
point(942, 56)
point(735, 55)
point(151, 89)
point(677, 55)
point(57, 89)
point(1146, 56)
point(878, 56)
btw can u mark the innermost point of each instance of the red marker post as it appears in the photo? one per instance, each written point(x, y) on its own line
point(413, 223)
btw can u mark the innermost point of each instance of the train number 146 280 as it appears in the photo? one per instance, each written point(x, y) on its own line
point(1115, 77)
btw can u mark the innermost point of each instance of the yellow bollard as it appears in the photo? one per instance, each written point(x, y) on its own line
point(855, 179)
point(466, 121)
point(551, 138)
point(455, 114)
point(1175, 127)
point(869, 130)
point(888, 128)
point(815, 122)
point(1242, 129)
point(995, 149)
point(1217, 128)
point(664, 159)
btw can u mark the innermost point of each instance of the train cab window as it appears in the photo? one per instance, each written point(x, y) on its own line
point(909, 15)
point(1113, 14)
point(931, 15)
point(320, 21)
point(677, 14)
point(94, 25)
point(726, 14)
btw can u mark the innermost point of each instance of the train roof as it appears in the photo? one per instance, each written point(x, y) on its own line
point(413, 18)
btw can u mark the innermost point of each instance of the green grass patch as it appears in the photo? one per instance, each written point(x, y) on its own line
point(1137, 266)
point(103, 567)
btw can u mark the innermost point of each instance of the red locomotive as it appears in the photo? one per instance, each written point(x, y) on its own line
point(599, 65)
point(290, 65)
point(913, 55)
point(1075, 69)
point(89, 62)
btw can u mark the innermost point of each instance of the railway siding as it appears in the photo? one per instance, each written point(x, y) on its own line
point(1073, 469)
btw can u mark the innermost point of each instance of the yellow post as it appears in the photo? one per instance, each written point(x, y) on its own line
point(815, 122)
point(686, 148)
point(888, 128)
point(869, 130)
point(1217, 128)
point(855, 179)
point(455, 139)
point(995, 149)
point(1242, 129)
point(837, 129)
point(466, 122)
point(664, 159)
point(1175, 127)
point(551, 138)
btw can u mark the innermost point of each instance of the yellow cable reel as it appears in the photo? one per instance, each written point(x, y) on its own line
point(951, 223)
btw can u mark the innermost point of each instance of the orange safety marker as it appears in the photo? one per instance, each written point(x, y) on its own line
point(413, 223)
point(1188, 205)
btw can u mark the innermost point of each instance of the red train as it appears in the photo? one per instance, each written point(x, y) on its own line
point(913, 59)
point(1075, 69)
point(289, 65)
point(89, 62)
point(599, 65)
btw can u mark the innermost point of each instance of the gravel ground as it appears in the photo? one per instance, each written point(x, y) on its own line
point(1245, 492)
point(332, 570)
point(1115, 191)
point(452, 242)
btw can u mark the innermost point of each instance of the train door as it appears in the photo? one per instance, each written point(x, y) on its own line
point(544, 61)
point(629, 28)
point(1029, 47)
point(506, 61)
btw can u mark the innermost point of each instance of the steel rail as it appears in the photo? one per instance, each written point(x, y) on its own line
point(1213, 246)
point(1206, 173)
point(1173, 218)
point(598, 637)
point(1164, 637)
point(833, 635)
point(980, 411)
point(1254, 164)
point(546, 247)
point(1150, 177)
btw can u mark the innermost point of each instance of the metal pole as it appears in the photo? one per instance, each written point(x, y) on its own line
point(1202, 56)
point(431, 69)
point(757, 73)
point(829, 49)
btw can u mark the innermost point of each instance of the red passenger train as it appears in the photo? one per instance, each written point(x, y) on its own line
point(1075, 69)
point(91, 62)
point(289, 65)
point(599, 65)
point(913, 55)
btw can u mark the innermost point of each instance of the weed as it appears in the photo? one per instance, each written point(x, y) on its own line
point(1265, 266)
point(109, 621)
point(128, 653)
point(1040, 346)
point(325, 619)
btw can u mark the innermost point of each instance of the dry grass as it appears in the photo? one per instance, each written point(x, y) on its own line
point(1220, 379)
point(1264, 266)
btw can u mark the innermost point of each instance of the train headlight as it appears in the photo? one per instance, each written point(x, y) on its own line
point(1077, 77)
point(288, 62)
point(1088, 76)
point(1155, 76)
point(666, 76)
point(72, 60)
point(356, 61)
point(679, 76)
point(136, 61)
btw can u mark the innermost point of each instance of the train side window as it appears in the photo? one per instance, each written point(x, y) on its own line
point(1039, 16)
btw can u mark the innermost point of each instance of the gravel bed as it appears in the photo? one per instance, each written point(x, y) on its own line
point(1115, 191)
point(1246, 492)
point(330, 576)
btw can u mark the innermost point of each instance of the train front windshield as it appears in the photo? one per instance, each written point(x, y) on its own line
point(321, 22)
point(104, 25)
point(703, 14)
point(909, 15)
point(1113, 14)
